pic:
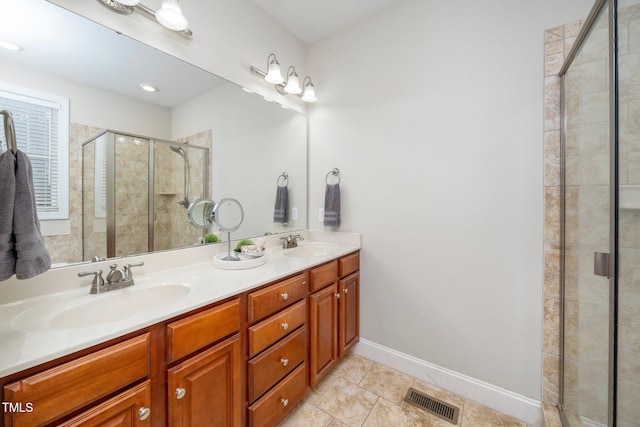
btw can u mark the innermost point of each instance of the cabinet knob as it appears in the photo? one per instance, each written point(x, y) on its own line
point(143, 413)
point(304, 282)
point(285, 402)
point(180, 392)
point(284, 296)
point(338, 295)
point(284, 326)
point(346, 291)
point(284, 362)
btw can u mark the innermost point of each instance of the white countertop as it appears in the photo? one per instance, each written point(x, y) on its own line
point(26, 343)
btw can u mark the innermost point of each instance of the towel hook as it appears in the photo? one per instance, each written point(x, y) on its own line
point(9, 131)
point(334, 172)
point(285, 178)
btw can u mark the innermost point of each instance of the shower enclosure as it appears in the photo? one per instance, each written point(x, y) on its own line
point(135, 191)
point(600, 329)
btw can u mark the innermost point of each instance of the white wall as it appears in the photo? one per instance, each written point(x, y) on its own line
point(433, 113)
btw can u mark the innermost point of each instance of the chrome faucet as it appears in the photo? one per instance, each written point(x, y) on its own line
point(291, 241)
point(117, 278)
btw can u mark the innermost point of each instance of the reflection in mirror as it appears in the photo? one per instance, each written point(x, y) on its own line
point(228, 216)
point(200, 213)
point(134, 190)
point(250, 141)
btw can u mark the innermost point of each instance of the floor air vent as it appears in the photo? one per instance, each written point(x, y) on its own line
point(432, 405)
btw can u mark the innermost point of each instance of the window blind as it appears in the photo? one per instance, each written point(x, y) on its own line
point(37, 124)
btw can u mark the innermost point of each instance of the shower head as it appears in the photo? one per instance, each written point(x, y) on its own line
point(178, 150)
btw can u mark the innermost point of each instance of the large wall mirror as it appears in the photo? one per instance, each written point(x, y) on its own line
point(250, 142)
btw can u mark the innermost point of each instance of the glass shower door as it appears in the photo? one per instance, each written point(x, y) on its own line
point(587, 221)
point(628, 345)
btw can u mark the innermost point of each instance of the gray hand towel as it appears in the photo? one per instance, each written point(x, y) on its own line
point(7, 198)
point(281, 209)
point(332, 205)
point(33, 258)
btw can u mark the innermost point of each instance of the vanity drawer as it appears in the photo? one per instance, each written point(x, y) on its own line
point(268, 368)
point(274, 405)
point(273, 298)
point(323, 276)
point(265, 333)
point(195, 332)
point(349, 264)
point(119, 410)
point(59, 391)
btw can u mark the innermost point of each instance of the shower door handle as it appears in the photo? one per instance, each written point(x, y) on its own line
point(601, 264)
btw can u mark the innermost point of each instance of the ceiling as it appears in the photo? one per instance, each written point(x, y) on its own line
point(312, 20)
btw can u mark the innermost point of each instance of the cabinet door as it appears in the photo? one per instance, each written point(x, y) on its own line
point(128, 409)
point(323, 312)
point(207, 389)
point(349, 312)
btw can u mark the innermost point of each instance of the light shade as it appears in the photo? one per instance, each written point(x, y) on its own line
point(293, 83)
point(274, 76)
point(129, 2)
point(170, 16)
point(309, 94)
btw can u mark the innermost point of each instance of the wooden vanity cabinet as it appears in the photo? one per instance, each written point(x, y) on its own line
point(276, 369)
point(205, 389)
point(334, 311)
point(64, 389)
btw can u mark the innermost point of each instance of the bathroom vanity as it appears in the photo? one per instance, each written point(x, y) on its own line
point(243, 357)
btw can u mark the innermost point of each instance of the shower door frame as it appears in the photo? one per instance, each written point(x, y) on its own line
point(612, 272)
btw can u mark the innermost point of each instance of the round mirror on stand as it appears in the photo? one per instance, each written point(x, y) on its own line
point(228, 215)
point(200, 213)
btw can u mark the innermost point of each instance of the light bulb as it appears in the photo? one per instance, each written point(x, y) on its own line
point(170, 16)
point(309, 94)
point(293, 84)
point(274, 76)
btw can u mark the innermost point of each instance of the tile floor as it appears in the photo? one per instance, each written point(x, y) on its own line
point(360, 392)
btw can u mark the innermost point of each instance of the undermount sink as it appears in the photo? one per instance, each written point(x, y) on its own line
point(93, 310)
point(310, 249)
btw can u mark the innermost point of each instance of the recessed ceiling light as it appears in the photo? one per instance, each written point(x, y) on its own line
point(9, 46)
point(148, 88)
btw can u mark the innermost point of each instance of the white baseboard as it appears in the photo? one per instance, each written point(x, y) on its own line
point(499, 399)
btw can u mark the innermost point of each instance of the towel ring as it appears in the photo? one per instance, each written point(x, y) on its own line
point(284, 177)
point(334, 172)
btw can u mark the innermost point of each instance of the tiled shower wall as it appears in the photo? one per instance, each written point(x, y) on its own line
point(558, 43)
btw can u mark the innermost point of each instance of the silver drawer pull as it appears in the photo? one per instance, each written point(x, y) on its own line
point(285, 402)
point(338, 295)
point(284, 326)
point(180, 392)
point(346, 291)
point(143, 413)
point(284, 362)
point(284, 296)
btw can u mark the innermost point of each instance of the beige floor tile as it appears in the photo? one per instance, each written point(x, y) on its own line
point(347, 402)
point(387, 382)
point(387, 414)
point(353, 367)
point(476, 415)
point(305, 414)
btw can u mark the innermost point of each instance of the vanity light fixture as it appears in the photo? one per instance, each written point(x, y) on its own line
point(169, 15)
point(292, 83)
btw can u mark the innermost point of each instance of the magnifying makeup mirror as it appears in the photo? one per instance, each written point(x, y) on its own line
point(227, 214)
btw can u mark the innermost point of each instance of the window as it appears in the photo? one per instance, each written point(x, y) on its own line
point(42, 132)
